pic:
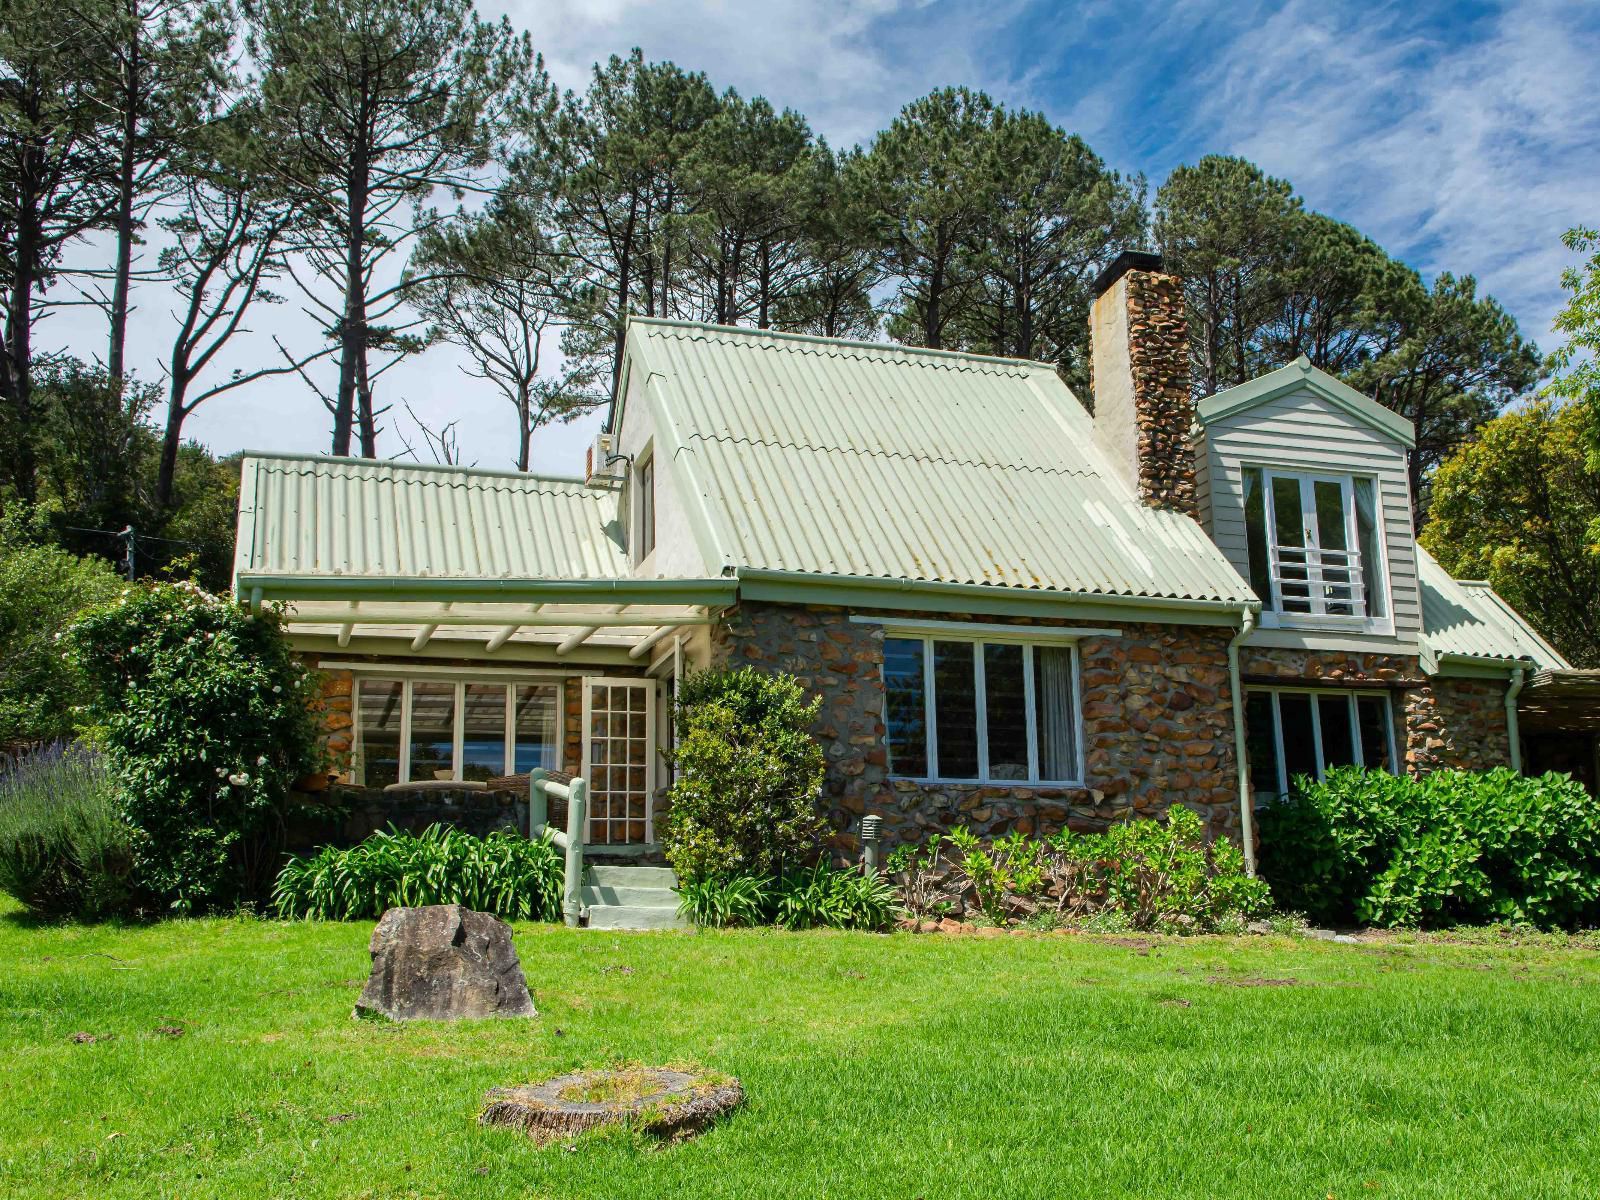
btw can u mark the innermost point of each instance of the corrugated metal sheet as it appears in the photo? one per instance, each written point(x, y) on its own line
point(835, 458)
point(1469, 620)
point(329, 516)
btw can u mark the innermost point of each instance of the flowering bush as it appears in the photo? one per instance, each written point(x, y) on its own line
point(205, 720)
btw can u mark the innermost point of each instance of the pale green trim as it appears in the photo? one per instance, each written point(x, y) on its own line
point(490, 591)
point(1461, 666)
point(1301, 374)
point(869, 592)
point(594, 659)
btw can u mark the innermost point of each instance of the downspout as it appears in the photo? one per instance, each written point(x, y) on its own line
point(1247, 817)
point(1512, 731)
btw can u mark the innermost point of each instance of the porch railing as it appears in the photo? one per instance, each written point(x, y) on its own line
point(1321, 582)
point(540, 788)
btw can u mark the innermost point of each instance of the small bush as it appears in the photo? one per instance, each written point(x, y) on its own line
point(747, 776)
point(1446, 848)
point(42, 590)
point(818, 897)
point(503, 873)
point(1137, 875)
point(63, 849)
point(205, 719)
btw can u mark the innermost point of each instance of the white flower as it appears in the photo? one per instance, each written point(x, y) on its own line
point(262, 761)
point(239, 780)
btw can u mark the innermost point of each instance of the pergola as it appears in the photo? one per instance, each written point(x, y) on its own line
point(626, 618)
point(1566, 700)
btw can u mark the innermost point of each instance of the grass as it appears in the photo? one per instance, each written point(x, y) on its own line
point(225, 1063)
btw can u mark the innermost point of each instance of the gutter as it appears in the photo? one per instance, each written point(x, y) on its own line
point(1247, 816)
point(1512, 732)
point(488, 591)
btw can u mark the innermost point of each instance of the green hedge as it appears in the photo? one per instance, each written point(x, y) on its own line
point(503, 873)
point(1447, 848)
point(818, 897)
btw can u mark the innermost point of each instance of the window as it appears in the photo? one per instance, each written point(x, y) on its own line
point(1291, 732)
point(645, 510)
point(981, 711)
point(1314, 547)
point(410, 730)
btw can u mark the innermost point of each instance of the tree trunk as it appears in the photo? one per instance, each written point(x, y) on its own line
point(353, 329)
point(19, 353)
point(126, 168)
point(524, 434)
point(171, 440)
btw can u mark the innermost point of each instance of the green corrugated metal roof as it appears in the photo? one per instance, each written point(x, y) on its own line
point(351, 517)
point(1469, 621)
point(824, 457)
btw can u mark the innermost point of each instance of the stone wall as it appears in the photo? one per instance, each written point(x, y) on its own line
point(1310, 668)
point(1158, 353)
point(1156, 717)
point(1457, 723)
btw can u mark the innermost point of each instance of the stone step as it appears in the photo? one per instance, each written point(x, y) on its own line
point(601, 875)
point(629, 916)
point(637, 897)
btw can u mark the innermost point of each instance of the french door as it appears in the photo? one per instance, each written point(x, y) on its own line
point(1316, 567)
point(619, 757)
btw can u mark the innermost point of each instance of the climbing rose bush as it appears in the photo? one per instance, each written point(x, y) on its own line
point(205, 720)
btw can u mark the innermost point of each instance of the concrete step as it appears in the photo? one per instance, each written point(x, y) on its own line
point(629, 916)
point(635, 897)
point(599, 875)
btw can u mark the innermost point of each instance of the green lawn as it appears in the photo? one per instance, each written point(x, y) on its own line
point(875, 1066)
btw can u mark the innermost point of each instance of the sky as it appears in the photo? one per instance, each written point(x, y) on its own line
point(1462, 137)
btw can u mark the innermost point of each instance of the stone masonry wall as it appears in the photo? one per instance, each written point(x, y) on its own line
point(1457, 723)
point(1158, 352)
point(1156, 716)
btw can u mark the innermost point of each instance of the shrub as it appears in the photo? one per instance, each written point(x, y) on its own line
point(919, 870)
point(1446, 848)
point(747, 776)
point(723, 903)
point(1137, 875)
point(817, 897)
point(205, 719)
point(63, 849)
point(504, 874)
point(42, 589)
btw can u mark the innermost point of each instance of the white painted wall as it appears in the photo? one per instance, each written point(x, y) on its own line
point(676, 554)
point(1301, 431)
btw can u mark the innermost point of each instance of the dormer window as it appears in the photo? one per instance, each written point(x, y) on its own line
point(1316, 550)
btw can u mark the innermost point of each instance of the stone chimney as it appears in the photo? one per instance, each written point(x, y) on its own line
point(1139, 340)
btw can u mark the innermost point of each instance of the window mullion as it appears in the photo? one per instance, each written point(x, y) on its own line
point(1277, 737)
point(929, 722)
point(509, 757)
point(981, 708)
point(1355, 732)
point(1031, 716)
point(404, 773)
point(1316, 733)
point(458, 731)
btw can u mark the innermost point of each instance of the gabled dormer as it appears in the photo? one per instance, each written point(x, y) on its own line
point(1302, 484)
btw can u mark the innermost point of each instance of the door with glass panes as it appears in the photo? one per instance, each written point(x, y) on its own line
point(619, 756)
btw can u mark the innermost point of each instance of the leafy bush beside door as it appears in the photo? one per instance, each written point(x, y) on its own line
point(747, 775)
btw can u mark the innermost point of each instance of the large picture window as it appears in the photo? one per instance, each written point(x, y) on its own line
point(982, 711)
point(1293, 732)
point(412, 730)
point(1315, 546)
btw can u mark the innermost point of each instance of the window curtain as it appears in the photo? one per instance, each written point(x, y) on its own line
point(1053, 713)
point(1255, 525)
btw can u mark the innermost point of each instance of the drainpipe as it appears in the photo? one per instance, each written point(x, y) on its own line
point(1247, 816)
point(1512, 732)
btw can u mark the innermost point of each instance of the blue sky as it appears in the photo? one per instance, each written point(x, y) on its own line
point(1462, 137)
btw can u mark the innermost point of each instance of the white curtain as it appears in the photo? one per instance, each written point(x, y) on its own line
point(1055, 716)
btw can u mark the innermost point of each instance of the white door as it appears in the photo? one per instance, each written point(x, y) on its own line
point(619, 759)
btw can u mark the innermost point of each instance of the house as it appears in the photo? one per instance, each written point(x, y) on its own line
point(1019, 614)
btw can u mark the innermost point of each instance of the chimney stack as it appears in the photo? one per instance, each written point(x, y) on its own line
point(1139, 340)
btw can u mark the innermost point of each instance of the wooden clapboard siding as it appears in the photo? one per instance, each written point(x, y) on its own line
point(1301, 431)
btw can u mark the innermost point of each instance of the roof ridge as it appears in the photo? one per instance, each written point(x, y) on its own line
point(389, 464)
point(826, 344)
point(902, 455)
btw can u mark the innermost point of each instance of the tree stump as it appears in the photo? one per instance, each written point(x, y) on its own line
point(659, 1100)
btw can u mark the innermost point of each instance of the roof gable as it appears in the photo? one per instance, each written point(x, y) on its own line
point(1301, 375)
point(832, 458)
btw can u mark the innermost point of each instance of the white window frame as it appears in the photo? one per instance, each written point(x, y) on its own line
point(407, 679)
point(1274, 615)
point(1316, 694)
point(646, 461)
point(930, 632)
point(649, 687)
